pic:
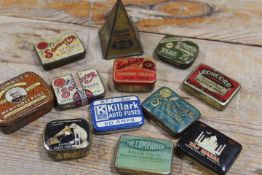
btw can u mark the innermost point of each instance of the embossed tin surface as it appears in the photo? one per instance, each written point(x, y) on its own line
point(22, 100)
point(177, 51)
point(211, 86)
point(143, 155)
point(78, 89)
point(209, 147)
point(116, 114)
point(60, 50)
point(137, 74)
point(67, 139)
point(171, 111)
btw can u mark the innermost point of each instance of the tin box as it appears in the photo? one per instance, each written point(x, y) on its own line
point(209, 148)
point(67, 139)
point(78, 89)
point(137, 74)
point(22, 100)
point(211, 86)
point(60, 50)
point(170, 111)
point(116, 114)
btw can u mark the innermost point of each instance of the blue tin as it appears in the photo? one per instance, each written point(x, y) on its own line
point(116, 114)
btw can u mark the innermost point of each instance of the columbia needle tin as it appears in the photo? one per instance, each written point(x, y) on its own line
point(62, 49)
point(211, 86)
point(116, 114)
point(143, 155)
point(78, 89)
point(137, 74)
point(67, 139)
point(177, 51)
point(209, 147)
point(170, 111)
point(22, 100)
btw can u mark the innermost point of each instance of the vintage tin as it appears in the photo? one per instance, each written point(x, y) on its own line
point(177, 51)
point(22, 100)
point(170, 111)
point(211, 86)
point(209, 148)
point(143, 155)
point(116, 114)
point(78, 89)
point(60, 50)
point(67, 139)
point(137, 74)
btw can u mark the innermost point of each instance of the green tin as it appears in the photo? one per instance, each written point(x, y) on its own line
point(143, 155)
point(177, 51)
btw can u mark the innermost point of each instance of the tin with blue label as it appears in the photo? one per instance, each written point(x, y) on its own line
point(116, 114)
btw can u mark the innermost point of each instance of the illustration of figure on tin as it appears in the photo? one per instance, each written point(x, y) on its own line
point(16, 94)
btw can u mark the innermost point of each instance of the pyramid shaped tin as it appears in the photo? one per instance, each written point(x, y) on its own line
point(119, 36)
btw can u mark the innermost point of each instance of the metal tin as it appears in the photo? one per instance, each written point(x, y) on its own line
point(22, 100)
point(67, 139)
point(143, 155)
point(137, 74)
point(177, 51)
point(78, 89)
point(60, 50)
point(211, 86)
point(170, 111)
point(209, 148)
point(119, 36)
point(116, 114)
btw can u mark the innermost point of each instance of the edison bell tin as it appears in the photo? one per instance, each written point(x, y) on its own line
point(60, 50)
point(23, 99)
point(211, 86)
point(137, 74)
point(170, 111)
point(143, 155)
point(67, 139)
point(116, 114)
point(78, 89)
point(177, 51)
point(208, 147)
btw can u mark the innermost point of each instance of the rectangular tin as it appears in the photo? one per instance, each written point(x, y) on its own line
point(211, 86)
point(209, 148)
point(60, 50)
point(116, 114)
point(67, 139)
point(23, 99)
point(170, 111)
point(144, 155)
point(136, 74)
point(78, 89)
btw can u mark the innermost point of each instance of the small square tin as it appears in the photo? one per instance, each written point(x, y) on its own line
point(23, 99)
point(136, 74)
point(67, 139)
point(209, 148)
point(116, 114)
point(143, 155)
point(211, 86)
point(170, 111)
point(78, 89)
point(177, 51)
point(60, 50)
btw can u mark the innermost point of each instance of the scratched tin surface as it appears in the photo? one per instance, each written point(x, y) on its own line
point(78, 89)
point(135, 74)
point(212, 86)
point(143, 155)
point(116, 114)
point(209, 147)
point(67, 139)
point(170, 110)
point(60, 50)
